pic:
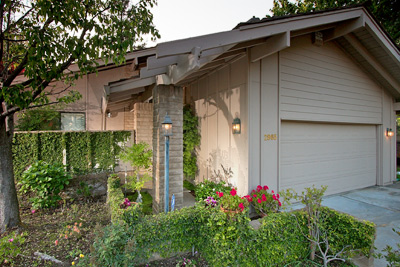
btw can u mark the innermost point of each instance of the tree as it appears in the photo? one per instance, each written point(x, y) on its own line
point(41, 39)
point(387, 12)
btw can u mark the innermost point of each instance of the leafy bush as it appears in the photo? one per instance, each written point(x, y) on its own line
point(139, 156)
point(45, 181)
point(232, 201)
point(115, 198)
point(208, 188)
point(10, 247)
point(39, 119)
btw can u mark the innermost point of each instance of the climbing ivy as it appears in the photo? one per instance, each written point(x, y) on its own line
point(191, 140)
point(25, 152)
point(85, 152)
point(51, 147)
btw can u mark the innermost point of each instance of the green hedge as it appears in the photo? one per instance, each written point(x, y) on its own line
point(221, 240)
point(85, 152)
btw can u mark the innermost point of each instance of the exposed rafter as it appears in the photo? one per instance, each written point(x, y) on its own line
point(272, 45)
point(344, 28)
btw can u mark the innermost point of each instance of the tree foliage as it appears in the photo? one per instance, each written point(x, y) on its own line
point(387, 12)
point(191, 140)
point(39, 41)
point(42, 38)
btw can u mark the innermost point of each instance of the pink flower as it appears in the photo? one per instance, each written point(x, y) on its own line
point(274, 197)
point(279, 203)
point(220, 194)
point(233, 192)
point(254, 195)
point(272, 192)
point(259, 200)
point(56, 242)
point(253, 191)
point(11, 240)
point(241, 206)
point(266, 187)
point(264, 198)
point(33, 211)
point(259, 188)
point(277, 196)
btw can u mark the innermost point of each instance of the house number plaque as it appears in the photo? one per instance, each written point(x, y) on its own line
point(269, 137)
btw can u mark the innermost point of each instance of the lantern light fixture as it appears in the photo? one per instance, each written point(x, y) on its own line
point(167, 126)
point(236, 127)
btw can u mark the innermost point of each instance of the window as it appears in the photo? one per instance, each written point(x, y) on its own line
point(73, 122)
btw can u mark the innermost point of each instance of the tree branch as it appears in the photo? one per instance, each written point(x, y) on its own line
point(10, 26)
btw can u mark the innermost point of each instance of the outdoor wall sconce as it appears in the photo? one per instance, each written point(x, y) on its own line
point(236, 129)
point(108, 113)
point(389, 132)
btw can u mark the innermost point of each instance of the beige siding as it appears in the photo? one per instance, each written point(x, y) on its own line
point(323, 84)
point(219, 97)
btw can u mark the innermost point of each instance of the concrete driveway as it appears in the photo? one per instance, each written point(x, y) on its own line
point(378, 204)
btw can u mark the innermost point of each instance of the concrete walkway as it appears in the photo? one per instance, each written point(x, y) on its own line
point(378, 204)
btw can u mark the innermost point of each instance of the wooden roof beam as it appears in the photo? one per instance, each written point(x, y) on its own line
point(271, 46)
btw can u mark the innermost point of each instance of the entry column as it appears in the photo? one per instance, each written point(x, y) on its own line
point(167, 99)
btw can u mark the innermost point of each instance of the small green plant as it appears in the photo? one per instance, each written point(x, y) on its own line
point(209, 188)
point(84, 190)
point(10, 246)
point(45, 181)
point(139, 156)
point(189, 186)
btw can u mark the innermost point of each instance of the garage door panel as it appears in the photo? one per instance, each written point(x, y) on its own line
point(340, 156)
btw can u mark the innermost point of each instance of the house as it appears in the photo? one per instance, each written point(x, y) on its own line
point(315, 95)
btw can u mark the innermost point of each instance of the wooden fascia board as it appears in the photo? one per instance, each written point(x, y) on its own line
point(156, 63)
point(372, 61)
point(396, 106)
point(345, 28)
point(132, 84)
point(272, 45)
point(251, 32)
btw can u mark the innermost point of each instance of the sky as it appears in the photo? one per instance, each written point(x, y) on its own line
point(180, 19)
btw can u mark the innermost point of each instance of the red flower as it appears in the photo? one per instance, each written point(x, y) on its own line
point(277, 196)
point(233, 192)
point(264, 198)
point(254, 195)
point(259, 200)
point(259, 188)
point(220, 194)
point(279, 203)
point(274, 197)
point(272, 192)
point(241, 206)
point(253, 191)
point(266, 187)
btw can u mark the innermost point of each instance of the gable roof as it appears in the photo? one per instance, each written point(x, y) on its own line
point(354, 29)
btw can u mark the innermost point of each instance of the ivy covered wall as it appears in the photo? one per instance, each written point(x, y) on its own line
point(82, 152)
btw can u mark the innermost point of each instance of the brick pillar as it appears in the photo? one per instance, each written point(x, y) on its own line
point(143, 122)
point(167, 99)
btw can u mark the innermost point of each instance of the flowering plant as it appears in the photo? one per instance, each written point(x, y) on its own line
point(232, 201)
point(263, 201)
point(126, 204)
point(210, 202)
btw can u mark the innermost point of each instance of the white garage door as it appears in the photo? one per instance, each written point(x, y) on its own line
point(343, 157)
